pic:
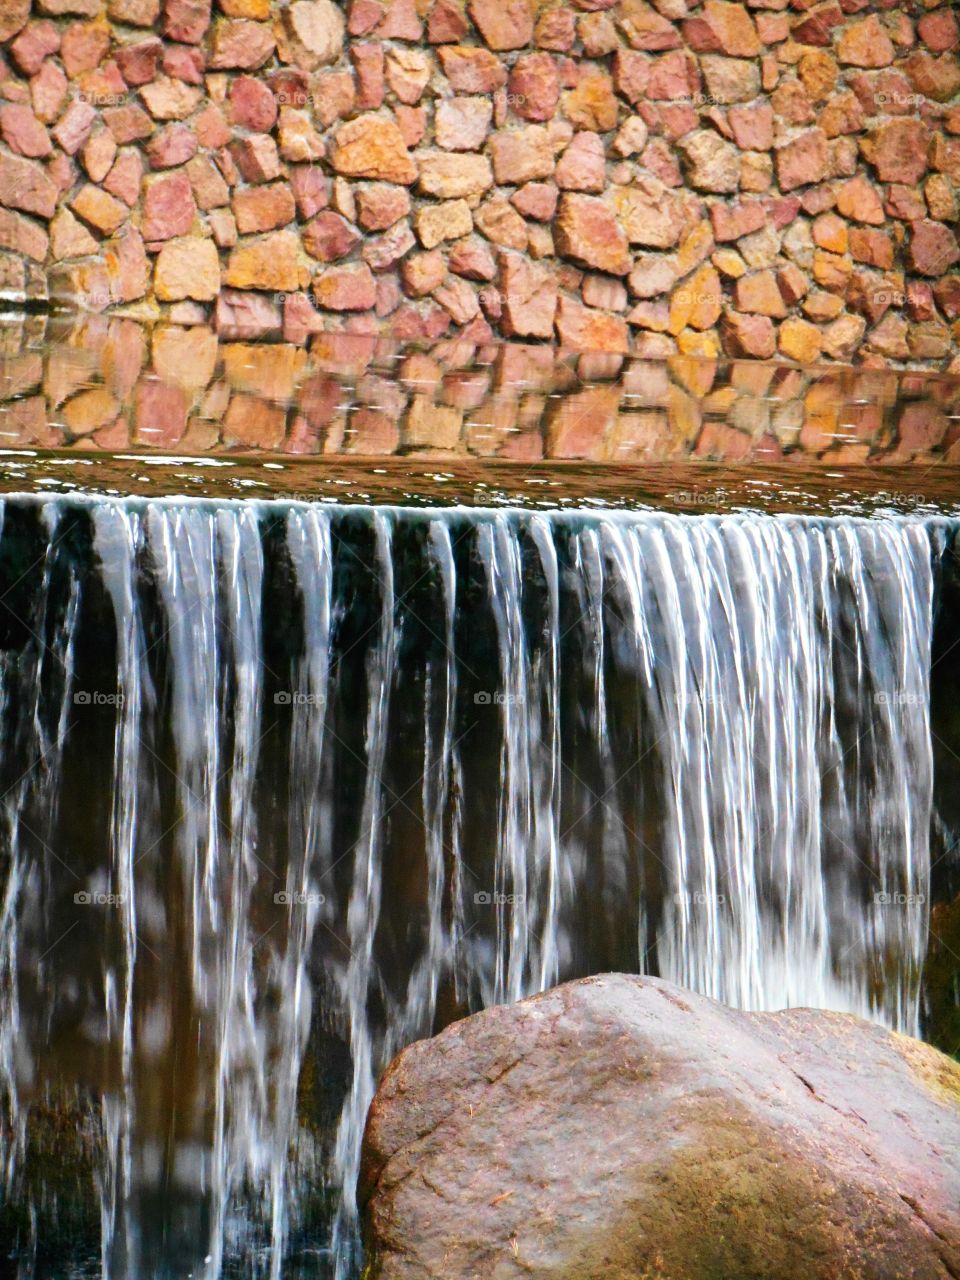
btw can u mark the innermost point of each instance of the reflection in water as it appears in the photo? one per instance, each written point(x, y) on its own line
point(286, 787)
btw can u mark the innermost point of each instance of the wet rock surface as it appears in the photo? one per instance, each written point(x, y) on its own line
point(622, 1127)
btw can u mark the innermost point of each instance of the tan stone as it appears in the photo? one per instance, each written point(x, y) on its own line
point(371, 146)
point(266, 263)
point(438, 222)
point(99, 209)
point(188, 267)
point(588, 232)
point(452, 175)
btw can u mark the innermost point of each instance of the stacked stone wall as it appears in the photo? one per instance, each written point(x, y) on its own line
point(777, 179)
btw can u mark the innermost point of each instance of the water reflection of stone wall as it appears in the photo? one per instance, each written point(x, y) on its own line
point(610, 174)
point(108, 384)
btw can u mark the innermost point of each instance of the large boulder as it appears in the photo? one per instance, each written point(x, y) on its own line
point(620, 1127)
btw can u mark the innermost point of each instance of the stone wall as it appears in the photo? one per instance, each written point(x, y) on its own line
point(772, 179)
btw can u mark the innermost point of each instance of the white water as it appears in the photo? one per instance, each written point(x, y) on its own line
point(694, 746)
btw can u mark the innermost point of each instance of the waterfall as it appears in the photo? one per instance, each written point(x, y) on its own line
point(286, 787)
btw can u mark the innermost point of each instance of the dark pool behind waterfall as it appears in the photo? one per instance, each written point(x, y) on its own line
point(288, 786)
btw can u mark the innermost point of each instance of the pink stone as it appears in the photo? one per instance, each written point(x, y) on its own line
point(446, 24)
point(351, 288)
point(412, 123)
point(583, 165)
point(802, 161)
point(48, 89)
point(127, 124)
point(534, 87)
point(898, 150)
point(252, 105)
point(401, 22)
point(748, 335)
point(462, 123)
point(939, 31)
point(472, 258)
point(161, 413)
point(184, 62)
point(83, 47)
point(241, 44)
point(329, 237)
point(173, 145)
point(23, 132)
point(186, 20)
point(263, 208)
point(933, 248)
point(587, 232)
point(364, 16)
point(244, 317)
point(381, 205)
point(138, 62)
point(471, 70)
point(673, 76)
point(34, 43)
point(26, 185)
point(256, 157)
point(309, 190)
point(74, 128)
point(503, 24)
point(528, 296)
point(22, 236)
point(722, 28)
point(367, 62)
point(752, 127)
point(123, 180)
point(731, 221)
point(211, 128)
point(168, 207)
point(386, 251)
point(555, 29)
point(631, 73)
point(537, 200)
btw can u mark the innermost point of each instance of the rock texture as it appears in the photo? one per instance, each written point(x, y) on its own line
point(619, 1128)
point(659, 145)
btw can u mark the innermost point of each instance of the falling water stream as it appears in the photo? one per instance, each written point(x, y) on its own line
point(285, 787)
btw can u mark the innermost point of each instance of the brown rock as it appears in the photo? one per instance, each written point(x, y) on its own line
point(802, 161)
point(447, 23)
point(936, 78)
point(758, 294)
point(471, 70)
point(447, 221)
point(69, 238)
point(588, 232)
point(859, 199)
point(499, 222)
point(254, 422)
point(449, 175)
point(592, 104)
point(584, 329)
point(472, 258)
point(722, 28)
point(385, 251)
point(872, 247)
point(168, 207)
point(187, 268)
point(422, 273)
point(13, 17)
point(268, 263)
point(99, 209)
point(865, 44)
point(462, 124)
point(933, 248)
point(649, 215)
point(503, 24)
point(711, 163)
point(48, 90)
point(264, 209)
point(730, 79)
point(752, 127)
point(168, 99)
point(371, 146)
point(83, 47)
point(898, 150)
point(238, 44)
point(350, 288)
point(537, 200)
point(309, 190)
point(520, 155)
point(244, 317)
point(731, 221)
point(127, 124)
